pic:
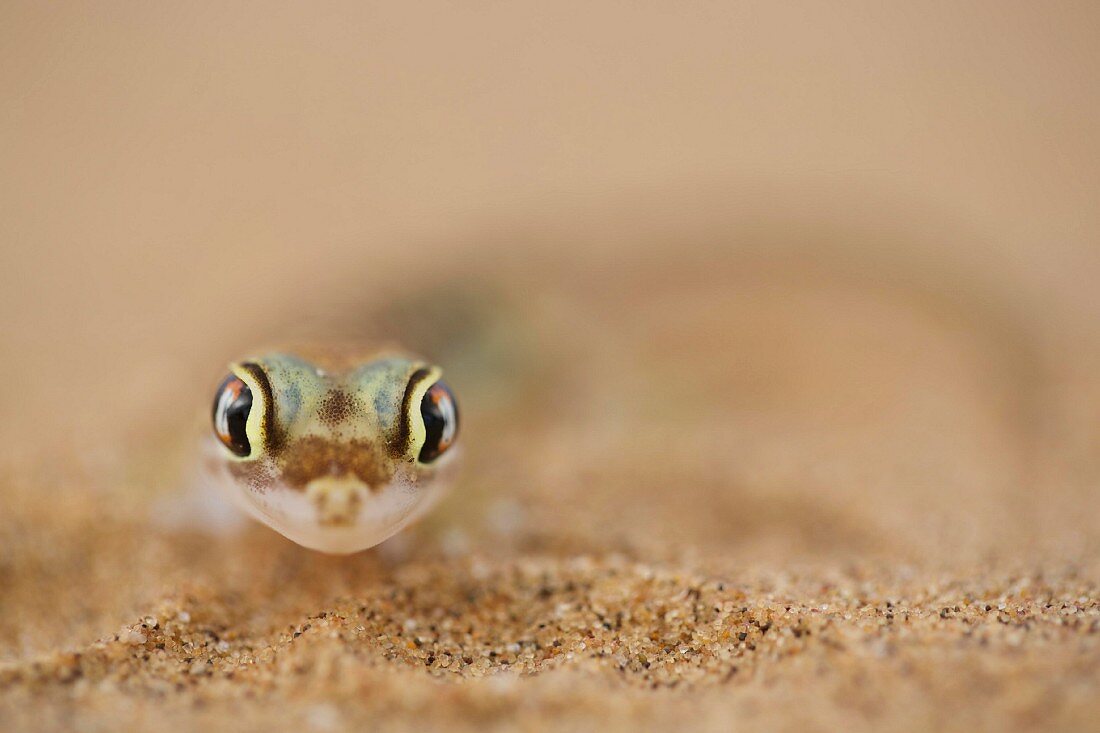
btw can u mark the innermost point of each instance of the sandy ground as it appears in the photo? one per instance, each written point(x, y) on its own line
point(775, 333)
point(797, 499)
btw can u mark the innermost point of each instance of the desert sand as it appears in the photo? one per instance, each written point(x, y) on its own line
point(761, 494)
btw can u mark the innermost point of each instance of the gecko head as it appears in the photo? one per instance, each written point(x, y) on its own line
point(336, 454)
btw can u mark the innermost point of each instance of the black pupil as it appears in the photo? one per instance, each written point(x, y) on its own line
point(440, 413)
point(231, 408)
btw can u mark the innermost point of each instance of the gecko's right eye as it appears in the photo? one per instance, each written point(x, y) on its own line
point(232, 403)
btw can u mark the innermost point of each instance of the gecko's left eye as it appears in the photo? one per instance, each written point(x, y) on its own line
point(232, 403)
point(440, 413)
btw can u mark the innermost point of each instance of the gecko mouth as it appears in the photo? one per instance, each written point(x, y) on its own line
point(336, 512)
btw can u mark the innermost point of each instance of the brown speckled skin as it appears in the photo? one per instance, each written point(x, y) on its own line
point(340, 412)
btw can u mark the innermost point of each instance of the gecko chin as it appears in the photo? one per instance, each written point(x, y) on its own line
point(340, 514)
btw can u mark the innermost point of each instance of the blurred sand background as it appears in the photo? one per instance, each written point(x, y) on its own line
point(776, 329)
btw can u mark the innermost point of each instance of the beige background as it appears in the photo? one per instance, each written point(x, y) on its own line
point(161, 161)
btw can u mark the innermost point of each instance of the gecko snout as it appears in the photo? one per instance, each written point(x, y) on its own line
point(338, 499)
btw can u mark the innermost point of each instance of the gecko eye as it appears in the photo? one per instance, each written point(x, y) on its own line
point(232, 404)
point(440, 413)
